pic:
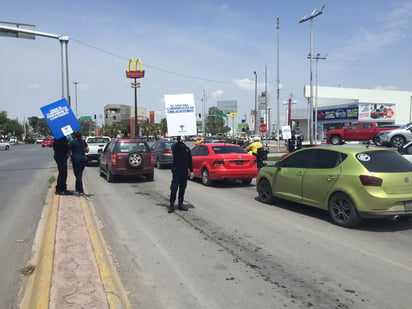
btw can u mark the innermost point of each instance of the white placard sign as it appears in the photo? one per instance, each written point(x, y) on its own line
point(180, 114)
point(286, 133)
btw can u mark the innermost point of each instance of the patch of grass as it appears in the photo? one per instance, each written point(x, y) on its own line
point(51, 180)
point(27, 270)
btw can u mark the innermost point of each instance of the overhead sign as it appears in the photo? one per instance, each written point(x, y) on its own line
point(17, 34)
point(60, 118)
point(180, 114)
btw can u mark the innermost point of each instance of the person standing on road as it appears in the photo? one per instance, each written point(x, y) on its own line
point(182, 166)
point(61, 154)
point(78, 149)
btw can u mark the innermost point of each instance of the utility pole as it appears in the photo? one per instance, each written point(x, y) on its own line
point(277, 90)
point(266, 102)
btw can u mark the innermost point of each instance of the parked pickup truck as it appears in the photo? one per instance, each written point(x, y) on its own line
point(359, 131)
point(96, 145)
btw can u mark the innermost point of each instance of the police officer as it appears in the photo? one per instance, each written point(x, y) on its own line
point(182, 166)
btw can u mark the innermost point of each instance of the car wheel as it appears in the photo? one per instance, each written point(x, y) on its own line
point(101, 173)
point(336, 140)
point(377, 141)
point(398, 141)
point(109, 176)
point(343, 211)
point(157, 163)
point(7, 148)
point(265, 191)
point(246, 181)
point(206, 178)
point(150, 177)
point(134, 160)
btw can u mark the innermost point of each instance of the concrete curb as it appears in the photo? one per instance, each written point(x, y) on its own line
point(37, 292)
point(115, 292)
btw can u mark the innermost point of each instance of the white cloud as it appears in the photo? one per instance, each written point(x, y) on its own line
point(245, 83)
point(217, 93)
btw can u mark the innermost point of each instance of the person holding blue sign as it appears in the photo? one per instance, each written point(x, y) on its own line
point(61, 154)
point(78, 149)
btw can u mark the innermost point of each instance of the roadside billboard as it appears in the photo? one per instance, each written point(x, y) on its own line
point(60, 118)
point(180, 114)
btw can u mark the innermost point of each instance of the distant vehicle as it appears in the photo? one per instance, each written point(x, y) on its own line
point(397, 137)
point(351, 183)
point(47, 142)
point(13, 140)
point(4, 145)
point(162, 153)
point(358, 131)
point(39, 140)
point(126, 157)
point(96, 145)
point(218, 161)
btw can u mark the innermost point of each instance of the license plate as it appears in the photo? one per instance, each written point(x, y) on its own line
point(408, 205)
point(239, 162)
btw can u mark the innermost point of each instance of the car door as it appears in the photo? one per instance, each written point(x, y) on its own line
point(320, 176)
point(199, 154)
point(352, 132)
point(287, 181)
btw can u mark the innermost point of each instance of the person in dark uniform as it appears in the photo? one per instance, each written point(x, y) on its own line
point(182, 165)
point(78, 149)
point(61, 153)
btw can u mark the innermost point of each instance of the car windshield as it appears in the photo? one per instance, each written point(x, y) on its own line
point(98, 140)
point(227, 149)
point(125, 147)
point(384, 162)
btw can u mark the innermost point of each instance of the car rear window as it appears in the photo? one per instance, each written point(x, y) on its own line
point(227, 149)
point(125, 147)
point(98, 140)
point(384, 162)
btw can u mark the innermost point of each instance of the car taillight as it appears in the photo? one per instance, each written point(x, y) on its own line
point(219, 163)
point(371, 180)
point(113, 160)
point(166, 151)
point(152, 160)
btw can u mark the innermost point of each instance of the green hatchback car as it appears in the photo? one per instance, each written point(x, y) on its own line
point(351, 182)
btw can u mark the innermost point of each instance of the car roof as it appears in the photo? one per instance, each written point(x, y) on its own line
point(348, 149)
point(129, 140)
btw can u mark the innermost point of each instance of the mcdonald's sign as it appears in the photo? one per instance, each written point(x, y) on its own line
point(134, 73)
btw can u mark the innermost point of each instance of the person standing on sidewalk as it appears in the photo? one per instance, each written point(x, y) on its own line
point(182, 166)
point(78, 149)
point(61, 154)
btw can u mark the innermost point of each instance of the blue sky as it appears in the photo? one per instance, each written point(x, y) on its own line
point(195, 46)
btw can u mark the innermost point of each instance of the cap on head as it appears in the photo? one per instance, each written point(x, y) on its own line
point(256, 138)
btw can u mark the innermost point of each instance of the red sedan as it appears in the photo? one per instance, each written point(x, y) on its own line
point(220, 161)
point(47, 142)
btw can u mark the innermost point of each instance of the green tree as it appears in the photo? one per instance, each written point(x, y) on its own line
point(215, 124)
point(114, 130)
point(148, 128)
point(163, 126)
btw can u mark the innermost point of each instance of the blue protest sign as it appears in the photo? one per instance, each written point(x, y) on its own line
point(60, 118)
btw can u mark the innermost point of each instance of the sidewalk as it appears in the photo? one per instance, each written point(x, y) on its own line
point(73, 268)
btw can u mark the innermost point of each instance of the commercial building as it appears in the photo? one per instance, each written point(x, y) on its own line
point(336, 106)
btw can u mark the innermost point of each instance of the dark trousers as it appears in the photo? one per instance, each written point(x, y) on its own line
point(62, 175)
point(78, 168)
point(179, 182)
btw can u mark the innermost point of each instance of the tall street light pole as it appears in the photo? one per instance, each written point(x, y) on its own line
point(255, 111)
point(75, 95)
point(277, 89)
point(314, 14)
point(317, 57)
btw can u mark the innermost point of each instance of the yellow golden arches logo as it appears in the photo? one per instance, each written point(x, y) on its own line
point(134, 73)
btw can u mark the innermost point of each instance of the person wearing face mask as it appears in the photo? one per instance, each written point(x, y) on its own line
point(78, 149)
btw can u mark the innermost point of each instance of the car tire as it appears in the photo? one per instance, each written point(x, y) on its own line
point(109, 176)
point(6, 148)
point(134, 160)
point(101, 173)
point(377, 141)
point(247, 181)
point(336, 140)
point(150, 177)
point(157, 163)
point(206, 178)
point(343, 211)
point(265, 193)
point(398, 141)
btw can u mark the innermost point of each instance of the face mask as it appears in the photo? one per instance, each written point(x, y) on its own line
point(69, 137)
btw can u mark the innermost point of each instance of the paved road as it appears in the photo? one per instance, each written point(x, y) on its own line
point(24, 174)
point(231, 251)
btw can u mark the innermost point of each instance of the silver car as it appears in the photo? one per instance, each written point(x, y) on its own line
point(4, 145)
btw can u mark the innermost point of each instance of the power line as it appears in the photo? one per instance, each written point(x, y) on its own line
point(152, 66)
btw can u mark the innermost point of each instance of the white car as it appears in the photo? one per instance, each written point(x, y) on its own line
point(13, 140)
point(4, 145)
